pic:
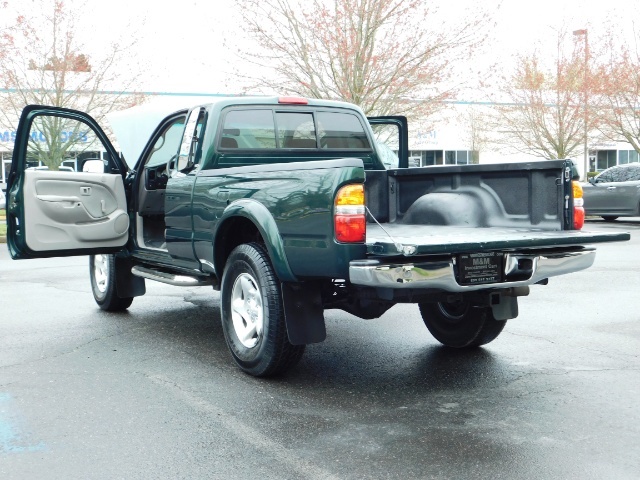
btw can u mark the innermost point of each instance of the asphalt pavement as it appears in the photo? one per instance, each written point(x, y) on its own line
point(153, 393)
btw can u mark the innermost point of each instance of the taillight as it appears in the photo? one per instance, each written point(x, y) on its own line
point(578, 206)
point(349, 215)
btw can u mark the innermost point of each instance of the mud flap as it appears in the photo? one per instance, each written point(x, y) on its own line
point(303, 313)
point(127, 284)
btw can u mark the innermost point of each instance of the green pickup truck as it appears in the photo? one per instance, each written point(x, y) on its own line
point(289, 207)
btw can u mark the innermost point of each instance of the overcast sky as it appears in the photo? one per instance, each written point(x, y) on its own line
point(189, 46)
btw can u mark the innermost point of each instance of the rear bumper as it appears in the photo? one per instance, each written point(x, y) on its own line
point(440, 274)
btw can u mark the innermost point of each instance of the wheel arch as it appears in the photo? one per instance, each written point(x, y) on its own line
point(248, 221)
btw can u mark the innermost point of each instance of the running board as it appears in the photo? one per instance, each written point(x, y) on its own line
point(170, 278)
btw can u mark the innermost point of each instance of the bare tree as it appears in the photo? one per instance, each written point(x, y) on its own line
point(541, 110)
point(618, 92)
point(42, 62)
point(387, 56)
point(477, 133)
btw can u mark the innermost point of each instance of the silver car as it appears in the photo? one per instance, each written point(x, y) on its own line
point(614, 193)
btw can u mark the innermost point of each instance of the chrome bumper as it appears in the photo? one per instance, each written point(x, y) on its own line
point(439, 275)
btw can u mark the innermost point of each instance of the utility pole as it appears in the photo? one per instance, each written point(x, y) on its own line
point(585, 88)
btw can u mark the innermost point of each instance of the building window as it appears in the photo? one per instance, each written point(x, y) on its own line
point(627, 156)
point(448, 157)
point(606, 159)
point(432, 157)
point(461, 157)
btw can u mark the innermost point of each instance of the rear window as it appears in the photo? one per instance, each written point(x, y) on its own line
point(266, 129)
point(341, 131)
point(248, 129)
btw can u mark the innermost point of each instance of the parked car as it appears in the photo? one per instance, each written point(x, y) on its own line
point(614, 193)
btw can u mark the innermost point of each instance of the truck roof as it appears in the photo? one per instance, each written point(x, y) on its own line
point(133, 127)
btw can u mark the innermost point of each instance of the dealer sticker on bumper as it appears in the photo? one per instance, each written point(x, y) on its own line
point(479, 268)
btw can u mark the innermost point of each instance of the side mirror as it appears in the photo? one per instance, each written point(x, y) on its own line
point(93, 166)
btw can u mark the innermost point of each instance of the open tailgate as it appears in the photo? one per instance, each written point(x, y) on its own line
point(398, 239)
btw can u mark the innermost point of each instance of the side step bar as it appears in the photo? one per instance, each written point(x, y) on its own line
point(170, 278)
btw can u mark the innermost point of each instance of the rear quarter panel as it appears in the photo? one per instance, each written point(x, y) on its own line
point(299, 200)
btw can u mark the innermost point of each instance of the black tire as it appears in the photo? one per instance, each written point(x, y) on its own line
point(102, 271)
point(461, 325)
point(250, 281)
point(609, 218)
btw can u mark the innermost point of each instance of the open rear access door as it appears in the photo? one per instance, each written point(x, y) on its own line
point(393, 132)
point(65, 192)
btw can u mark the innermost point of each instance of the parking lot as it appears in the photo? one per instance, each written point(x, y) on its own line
point(153, 393)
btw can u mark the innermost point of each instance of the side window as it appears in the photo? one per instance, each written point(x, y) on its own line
point(634, 174)
point(604, 177)
point(166, 145)
point(387, 139)
point(617, 175)
point(248, 129)
point(60, 144)
point(625, 174)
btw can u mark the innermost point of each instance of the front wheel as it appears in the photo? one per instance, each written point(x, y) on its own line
point(252, 314)
point(460, 324)
point(102, 271)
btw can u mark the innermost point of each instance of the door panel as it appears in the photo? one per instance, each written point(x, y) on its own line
point(55, 208)
point(611, 198)
point(627, 194)
point(70, 210)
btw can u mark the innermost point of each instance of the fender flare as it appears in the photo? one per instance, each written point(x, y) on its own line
point(260, 216)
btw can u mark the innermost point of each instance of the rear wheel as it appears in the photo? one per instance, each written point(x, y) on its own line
point(609, 218)
point(102, 271)
point(460, 324)
point(252, 314)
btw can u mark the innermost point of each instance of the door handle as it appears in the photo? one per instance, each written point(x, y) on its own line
point(611, 188)
point(57, 198)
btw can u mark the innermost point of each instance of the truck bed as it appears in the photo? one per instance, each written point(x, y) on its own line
point(472, 208)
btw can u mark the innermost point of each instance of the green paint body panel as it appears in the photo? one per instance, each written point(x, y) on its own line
point(292, 207)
